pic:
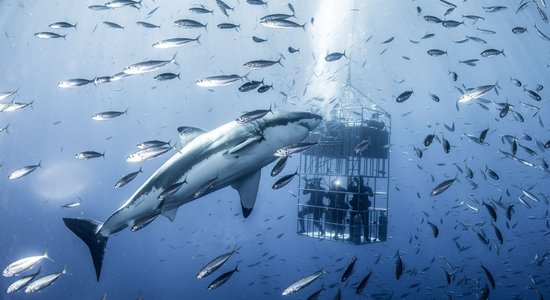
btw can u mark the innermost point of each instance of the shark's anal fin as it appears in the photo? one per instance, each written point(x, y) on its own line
point(247, 187)
point(86, 229)
point(187, 134)
point(170, 213)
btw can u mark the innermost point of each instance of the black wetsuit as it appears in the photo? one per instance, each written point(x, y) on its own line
point(314, 206)
point(360, 204)
point(337, 208)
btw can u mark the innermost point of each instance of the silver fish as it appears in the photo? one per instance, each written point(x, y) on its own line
point(284, 180)
point(279, 166)
point(292, 149)
point(148, 153)
point(23, 264)
point(49, 35)
point(147, 24)
point(113, 25)
point(281, 23)
point(59, 25)
point(23, 171)
point(187, 23)
point(72, 83)
point(259, 64)
point(21, 283)
point(174, 42)
point(44, 282)
point(108, 115)
point(443, 186)
point(148, 66)
point(216, 263)
point(88, 154)
point(4, 95)
point(220, 80)
point(302, 283)
point(127, 178)
point(253, 115)
point(216, 283)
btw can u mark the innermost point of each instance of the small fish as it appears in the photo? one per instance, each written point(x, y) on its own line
point(399, 267)
point(108, 115)
point(519, 30)
point(492, 173)
point(72, 204)
point(404, 96)
point(335, 56)
point(201, 10)
point(88, 154)
point(363, 283)
point(148, 66)
point(281, 23)
point(187, 23)
point(293, 50)
point(216, 283)
point(489, 276)
point(436, 52)
point(284, 180)
point(483, 135)
point(171, 190)
point(148, 153)
point(491, 210)
point(72, 83)
point(362, 146)
point(147, 25)
point(302, 283)
point(349, 270)
point(434, 97)
point(435, 229)
point(253, 115)
point(428, 140)
point(152, 144)
point(4, 95)
point(23, 264)
point(534, 95)
point(166, 76)
point(258, 40)
point(174, 42)
point(127, 178)
point(205, 187)
point(216, 263)
point(44, 282)
point(446, 145)
point(220, 80)
point(229, 26)
point(113, 25)
point(432, 19)
point(443, 186)
point(49, 35)
point(24, 171)
point(293, 149)
point(21, 283)
point(451, 23)
point(492, 52)
point(279, 166)
point(60, 25)
point(250, 85)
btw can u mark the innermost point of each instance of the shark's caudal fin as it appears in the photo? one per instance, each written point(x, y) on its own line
point(248, 190)
point(86, 229)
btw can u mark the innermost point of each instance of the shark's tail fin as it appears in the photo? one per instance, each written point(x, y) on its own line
point(86, 229)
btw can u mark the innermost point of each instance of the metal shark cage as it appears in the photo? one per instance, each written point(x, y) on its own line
point(344, 181)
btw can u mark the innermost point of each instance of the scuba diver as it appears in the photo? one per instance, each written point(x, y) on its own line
point(314, 206)
point(360, 204)
point(337, 207)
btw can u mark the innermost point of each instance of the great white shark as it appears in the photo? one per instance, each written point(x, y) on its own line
point(232, 154)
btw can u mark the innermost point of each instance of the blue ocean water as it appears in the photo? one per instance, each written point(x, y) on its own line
point(161, 261)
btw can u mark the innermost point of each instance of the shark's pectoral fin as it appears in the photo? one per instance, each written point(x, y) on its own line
point(247, 187)
point(170, 213)
point(187, 134)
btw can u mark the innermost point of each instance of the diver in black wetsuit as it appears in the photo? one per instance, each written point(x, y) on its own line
point(314, 206)
point(337, 206)
point(360, 204)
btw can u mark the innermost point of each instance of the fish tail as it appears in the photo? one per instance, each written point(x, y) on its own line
point(87, 231)
point(197, 39)
point(75, 24)
point(304, 26)
point(173, 60)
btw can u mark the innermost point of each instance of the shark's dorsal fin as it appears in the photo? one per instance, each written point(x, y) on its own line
point(188, 133)
point(247, 187)
point(170, 213)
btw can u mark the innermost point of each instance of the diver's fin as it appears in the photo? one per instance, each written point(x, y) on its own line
point(86, 229)
point(247, 187)
point(170, 213)
point(187, 134)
